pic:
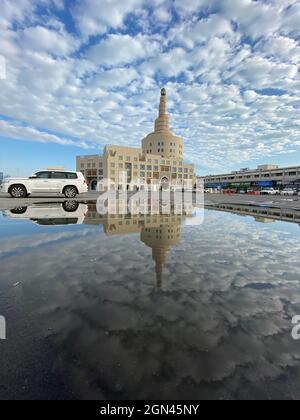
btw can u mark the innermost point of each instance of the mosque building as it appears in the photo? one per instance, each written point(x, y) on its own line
point(159, 161)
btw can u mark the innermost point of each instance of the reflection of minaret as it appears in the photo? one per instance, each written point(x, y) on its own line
point(159, 255)
point(161, 239)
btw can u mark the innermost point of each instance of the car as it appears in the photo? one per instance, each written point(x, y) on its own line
point(289, 191)
point(270, 191)
point(68, 183)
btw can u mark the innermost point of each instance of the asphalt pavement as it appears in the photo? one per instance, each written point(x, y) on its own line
point(6, 202)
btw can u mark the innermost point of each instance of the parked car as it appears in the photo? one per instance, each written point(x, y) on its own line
point(270, 191)
point(289, 191)
point(69, 184)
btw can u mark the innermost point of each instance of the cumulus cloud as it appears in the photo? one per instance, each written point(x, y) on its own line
point(121, 49)
point(39, 38)
point(94, 18)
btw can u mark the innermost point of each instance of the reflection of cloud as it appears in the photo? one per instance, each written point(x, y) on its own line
point(210, 333)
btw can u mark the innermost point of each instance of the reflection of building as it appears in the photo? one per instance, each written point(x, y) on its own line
point(159, 232)
point(261, 214)
point(161, 239)
point(263, 176)
point(159, 160)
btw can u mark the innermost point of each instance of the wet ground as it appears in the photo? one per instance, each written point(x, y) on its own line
point(149, 307)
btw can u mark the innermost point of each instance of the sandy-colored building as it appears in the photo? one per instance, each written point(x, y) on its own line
point(158, 162)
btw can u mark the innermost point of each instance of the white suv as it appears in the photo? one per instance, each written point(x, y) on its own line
point(59, 182)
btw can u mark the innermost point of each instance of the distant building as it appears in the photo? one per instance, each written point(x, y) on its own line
point(263, 176)
point(159, 160)
point(56, 168)
point(1, 177)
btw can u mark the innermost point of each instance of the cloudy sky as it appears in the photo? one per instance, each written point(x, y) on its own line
point(76, 75)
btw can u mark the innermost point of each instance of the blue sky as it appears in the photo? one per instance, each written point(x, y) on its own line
point(76, 75)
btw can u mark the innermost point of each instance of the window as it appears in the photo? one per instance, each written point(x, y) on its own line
point(120, 165)
point(179, 169)
point(112, 165)
point(43, 175)
point(174, 169)
point(128, 158)
point(142, 174)
point(82, 165)
point(58, 175)
point(72, 175)
point(142, 167)
point(149, 168)
point(155, 168)
point(149, 174)
point(185, 170)
point(100, 164)
point(93, 165)
point(120, 157)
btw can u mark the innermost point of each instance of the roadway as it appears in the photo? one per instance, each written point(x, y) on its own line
point(6, 202)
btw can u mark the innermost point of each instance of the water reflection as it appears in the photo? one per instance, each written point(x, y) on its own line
point(160, 232)
point(88, 323)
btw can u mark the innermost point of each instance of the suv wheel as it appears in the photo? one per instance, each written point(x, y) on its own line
point(70, 192)
point(18, 191)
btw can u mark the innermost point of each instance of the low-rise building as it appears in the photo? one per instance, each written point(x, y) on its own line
point(263, 176)
point(159, 160)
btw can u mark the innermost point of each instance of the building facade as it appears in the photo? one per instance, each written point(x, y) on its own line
point(262, 177)
point(158, 162)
